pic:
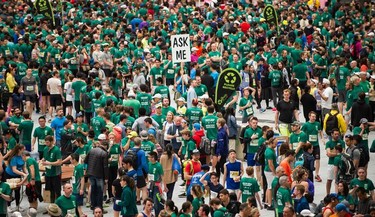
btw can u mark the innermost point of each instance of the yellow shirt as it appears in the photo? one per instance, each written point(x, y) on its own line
point(11, 82)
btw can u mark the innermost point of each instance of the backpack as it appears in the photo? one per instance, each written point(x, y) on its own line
point(365, 155)
point(300, 161)
point(205, 146)
point(331, 123)
point(132, 154)
point(86, 101)
point(346, 168)
point(259, 156)
point(283, 81)
point(226, 213)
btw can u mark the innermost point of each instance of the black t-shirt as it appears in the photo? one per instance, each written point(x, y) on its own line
point(118, 188)
point(215, 188)
point(286, 110)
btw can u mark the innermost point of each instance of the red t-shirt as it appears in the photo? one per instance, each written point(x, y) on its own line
point(196, 169)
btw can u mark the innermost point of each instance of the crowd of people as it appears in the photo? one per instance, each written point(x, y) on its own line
point(110, 101)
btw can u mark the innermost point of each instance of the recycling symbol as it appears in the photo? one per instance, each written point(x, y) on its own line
point(230, 78)
point(269, 11)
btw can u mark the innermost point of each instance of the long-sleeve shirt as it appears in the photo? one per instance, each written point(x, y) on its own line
point(128, 205)
point(142, 162)
point(191, 94)
point(222, 143)
point(97, 163)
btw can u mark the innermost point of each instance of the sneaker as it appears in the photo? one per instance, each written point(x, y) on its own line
point(108, 201)
point(105, 211)
point(183, 195)
point(138, 202)
point(269, 107)
point(105, 205)
point(19, 209)
point(261, 110)
point(318, 179)
point(274, 109)
point(183, 184)
point(11, 210)
point(88, 204)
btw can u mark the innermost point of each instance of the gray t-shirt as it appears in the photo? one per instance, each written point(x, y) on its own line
point(353, 152)
point(107, 57)
point(28, 85)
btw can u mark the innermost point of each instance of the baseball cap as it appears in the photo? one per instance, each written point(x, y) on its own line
point(341, 207)
point(102, 137)
point(363, 121)
point(181, 99)
point(315, 81)
point(196, 151)
point(144, 134)
point(296, 123)
point(225, 34)
point(79, 114)
point(132, 134)
point(158, 95)
point(326, 81)
point(158, 105)
point(197, 126)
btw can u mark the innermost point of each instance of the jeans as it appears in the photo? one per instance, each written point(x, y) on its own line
point(97, 186)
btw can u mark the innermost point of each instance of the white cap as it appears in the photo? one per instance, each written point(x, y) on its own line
point(307, 212)
point(194, 49)
point(158, 95)
point(225, 34)
point(371, 34)
point(236, 22)
point(55, 42)
point(326, 81)
point(102, 137)
point(181, 99)
point(315, 81)
point(372, 76)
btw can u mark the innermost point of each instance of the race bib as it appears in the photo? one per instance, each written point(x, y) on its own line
point(178, 139)
point(247, 79)
point(364, 136)
point(48, 167)
point(57, 56)
point(151, 177)
point(233, 174)
point(157, 76)
point(73, 61)
point(114, 157)
point(42, 142)
point(313, 138)
point(41, 54)
point(29, 88)
point(170, 71)
point(254, 142)
point(250, 111)
point(82, 158)
point(295, 145)
point(73, 180)
point(71, 211)
point(7, 52)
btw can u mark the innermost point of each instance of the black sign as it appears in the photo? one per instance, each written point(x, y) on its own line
point(270, 16)
point(228, 82)
point(44, 7)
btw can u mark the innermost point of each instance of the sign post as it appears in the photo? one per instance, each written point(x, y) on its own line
point(180, 48)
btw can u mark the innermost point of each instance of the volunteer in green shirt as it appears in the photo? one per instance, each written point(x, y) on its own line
point(156, 72)
point(200, 89)
point(283, 195)
point(10, 140)
point(97, 123)
point(209, 123)
point(300, 72)
point(67, 201)
point(194, 115)
point(249, 186)
point(5, 197)
point(297, 139)
point(363, 181)
point(145, 99)
point(270, 167)
point(169, 68)
point(52, 163)
point(161, 89)
point(146, 144)
point(78, 181)
point(33, 178)
point(251, 138)
point(81, 129)
point(77, 85)
point(25, 128)
point(159, 117)
point(40, 134)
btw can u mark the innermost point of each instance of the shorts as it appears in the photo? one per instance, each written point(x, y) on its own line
point(169, 81)
point(269, 178)
point(284, 129)
point(141, 182)
point(108, 72)
point(330, 174)
point(45, 93)
point(30, 98)
point(53, 184)
point(316, 152)
point(79, 199)
point(250, 160)
point(115, 206)
point(37, 192)
point(68, 103)
point(55, 100)
point(233, 191)
point(342, 96)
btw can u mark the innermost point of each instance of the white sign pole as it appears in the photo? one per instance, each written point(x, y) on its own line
point(180, 48)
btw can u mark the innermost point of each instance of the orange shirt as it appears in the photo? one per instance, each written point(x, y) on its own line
point(288, 170)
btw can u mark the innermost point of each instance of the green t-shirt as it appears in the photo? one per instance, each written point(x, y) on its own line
point(209, 124)
point(283, 196)
point(194, 115)
point(162, 90)
point(114, 155)
point(32, 162)
point(155, 171)
point(366, 132)
point(12, 142)
point(197, 202)
point(187, 147)
point(159, 119)
point(200, 90)
point(331, 145)
point(220, 212)
point(269, 155)
point(82, 152)
point(145, 100)
point(275, 77)
point(367, 184)
point(41, 134)
point(135, 104)
point(156, 73)
point(312, 130)
point(4, 189)
point(295, 139)
point(165, 110)
point(147, 146)
point(67, 205)
point(343, 74)
point(300, 71)
point(52, 155)
point(84, 127)
point(26, 128)
point(77, 86)
point(248, 186)
point(248, 111)
point(76, 179)
point(97, 124)
point(253, 145)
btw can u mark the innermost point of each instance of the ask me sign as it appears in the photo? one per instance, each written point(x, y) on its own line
point(180, 48)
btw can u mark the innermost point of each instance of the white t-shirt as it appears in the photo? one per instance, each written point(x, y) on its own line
point(68, 91)
point(328, 92)
point(54, 84)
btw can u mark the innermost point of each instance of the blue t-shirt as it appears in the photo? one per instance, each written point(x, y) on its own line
point(58, 124)
point(233, 170)
point(195, 181)
point(132, 174)
point(16, 161)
